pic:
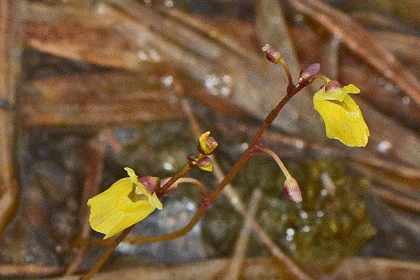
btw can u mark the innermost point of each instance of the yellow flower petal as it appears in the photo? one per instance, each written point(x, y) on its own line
point(124, 204)
point(154, 200)
point(343, 118)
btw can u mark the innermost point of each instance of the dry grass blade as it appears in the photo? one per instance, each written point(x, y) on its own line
point(94, 175)
point(366, 269)
point(95, 99)
point(238, 258)
point(82, 42)
point(29, 270)
point(258, 268)
point(404, 45)
point(10, 49)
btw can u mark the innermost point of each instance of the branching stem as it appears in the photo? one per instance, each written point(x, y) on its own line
point(209, 199)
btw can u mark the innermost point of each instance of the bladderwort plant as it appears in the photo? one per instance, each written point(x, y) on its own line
point(131, 199)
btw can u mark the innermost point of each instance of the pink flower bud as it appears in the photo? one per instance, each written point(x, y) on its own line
point(308, 71)
point(292, 190)
point(272, 53)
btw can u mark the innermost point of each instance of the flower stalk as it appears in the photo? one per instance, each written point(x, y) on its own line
point(291, 186)
point(132, 199)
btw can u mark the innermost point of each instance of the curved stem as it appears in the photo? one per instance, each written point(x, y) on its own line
point(166, 237)
point(173, 179)
point(290, 86)
point(196, 182)
point(277, 160)
point(108, 252)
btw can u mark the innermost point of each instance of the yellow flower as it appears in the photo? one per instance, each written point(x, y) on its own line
point(343, 118)
point(124, 204)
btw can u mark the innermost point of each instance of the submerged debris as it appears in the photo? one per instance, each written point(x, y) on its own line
point(330, 224)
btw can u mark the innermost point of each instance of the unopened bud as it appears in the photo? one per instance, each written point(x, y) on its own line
point(205, 164)
point(206, 144)
point(292, 190)
point(272, 53)
point(310, 70)
point(202, 162)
